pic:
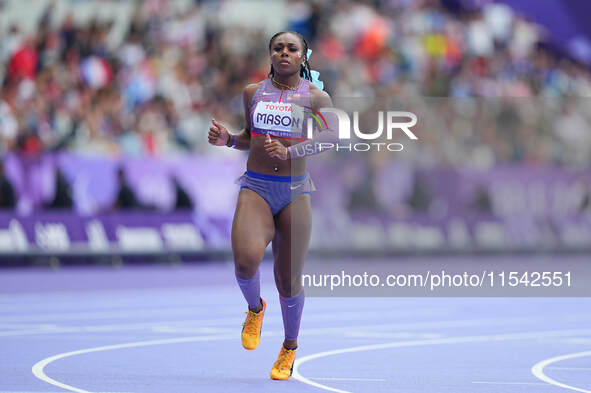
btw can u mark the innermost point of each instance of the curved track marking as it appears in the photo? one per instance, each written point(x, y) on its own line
point(38, 368)
point(538, 370)
point(438, 341)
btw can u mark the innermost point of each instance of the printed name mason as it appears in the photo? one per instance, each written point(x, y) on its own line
point(271, 119)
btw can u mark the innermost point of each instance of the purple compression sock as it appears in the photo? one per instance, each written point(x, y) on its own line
point(291, 309)
point(251, 289)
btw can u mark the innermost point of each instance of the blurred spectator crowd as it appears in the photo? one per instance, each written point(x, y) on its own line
point(66, 85)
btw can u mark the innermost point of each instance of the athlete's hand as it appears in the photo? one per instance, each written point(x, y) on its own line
point(218, 134)
point(274, 148)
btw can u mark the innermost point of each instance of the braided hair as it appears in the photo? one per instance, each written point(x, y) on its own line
point(305, 68)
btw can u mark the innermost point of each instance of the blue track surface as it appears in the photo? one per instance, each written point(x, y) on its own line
point(162, 329)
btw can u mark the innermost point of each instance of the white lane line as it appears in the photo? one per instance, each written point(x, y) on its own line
point(398, 344)
point(512, 383)
point(353, 331)
point(75, 316)
point(136, 313)
point(347, 379)
point(5, 326)
point(390, 335)
point(38, 368)
point(189, 327)
point(160, 327)
point(194, 327)
point(568, 368)
point(538, 370)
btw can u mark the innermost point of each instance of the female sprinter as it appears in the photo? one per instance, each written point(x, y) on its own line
point(274, 201)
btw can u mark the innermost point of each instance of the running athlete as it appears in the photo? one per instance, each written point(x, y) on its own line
point(274, 201)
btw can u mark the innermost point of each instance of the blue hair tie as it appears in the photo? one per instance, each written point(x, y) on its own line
point(315, 74)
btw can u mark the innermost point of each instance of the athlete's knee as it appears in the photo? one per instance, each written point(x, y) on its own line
point(288, 286)
point(247, 260)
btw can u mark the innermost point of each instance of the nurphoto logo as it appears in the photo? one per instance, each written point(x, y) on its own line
point(393, 122)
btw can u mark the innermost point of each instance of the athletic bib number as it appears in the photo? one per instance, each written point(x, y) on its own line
point(279, 119)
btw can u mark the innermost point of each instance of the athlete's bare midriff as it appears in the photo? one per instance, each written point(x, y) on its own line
point(259, 161)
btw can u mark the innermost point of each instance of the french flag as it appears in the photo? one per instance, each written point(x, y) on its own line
point(96, 71)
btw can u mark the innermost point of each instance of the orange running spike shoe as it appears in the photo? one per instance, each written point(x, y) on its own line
point(283, 367)
point(251, 328)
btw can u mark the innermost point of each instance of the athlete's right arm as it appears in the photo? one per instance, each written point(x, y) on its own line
point(219, 135)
